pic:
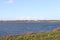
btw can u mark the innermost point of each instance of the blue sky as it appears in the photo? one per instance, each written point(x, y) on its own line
point(29, 9)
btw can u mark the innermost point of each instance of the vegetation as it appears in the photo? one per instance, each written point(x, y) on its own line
point(29, 20)
point(35, 36)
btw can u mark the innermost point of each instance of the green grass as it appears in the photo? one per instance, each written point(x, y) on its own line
point(37, 36)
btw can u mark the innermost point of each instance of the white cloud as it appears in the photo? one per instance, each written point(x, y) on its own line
point(10, 1)
point(31, 18)
point(58, 8)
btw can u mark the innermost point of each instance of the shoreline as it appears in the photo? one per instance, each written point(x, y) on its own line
point(29, 20)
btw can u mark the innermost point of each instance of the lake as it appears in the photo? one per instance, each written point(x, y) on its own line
point(13, 28)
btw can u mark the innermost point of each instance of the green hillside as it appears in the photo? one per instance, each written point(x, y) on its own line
point(35, 36)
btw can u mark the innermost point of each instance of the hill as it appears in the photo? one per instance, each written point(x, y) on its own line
point(34, 36)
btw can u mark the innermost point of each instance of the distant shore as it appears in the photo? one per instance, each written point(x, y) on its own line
point(29, 20)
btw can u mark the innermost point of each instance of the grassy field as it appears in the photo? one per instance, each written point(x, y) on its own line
point(35, 36)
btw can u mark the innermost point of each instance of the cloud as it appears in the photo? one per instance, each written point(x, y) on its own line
point(58, 8)
point(10, 1)
point(31, 18)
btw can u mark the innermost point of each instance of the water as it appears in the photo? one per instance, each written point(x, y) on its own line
point(7, 28)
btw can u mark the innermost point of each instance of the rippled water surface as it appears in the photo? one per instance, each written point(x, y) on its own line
point(7, 28)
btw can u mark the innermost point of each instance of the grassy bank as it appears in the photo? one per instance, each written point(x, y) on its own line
point(35, 36)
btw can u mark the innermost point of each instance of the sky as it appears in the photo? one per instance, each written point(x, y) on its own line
point(30, 9)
